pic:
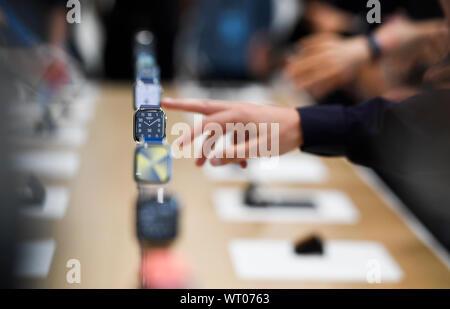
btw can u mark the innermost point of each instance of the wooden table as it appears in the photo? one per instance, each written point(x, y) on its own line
point(99, 227)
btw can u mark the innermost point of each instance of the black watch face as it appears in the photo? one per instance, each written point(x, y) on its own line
point(157, 221)
point(149, 125)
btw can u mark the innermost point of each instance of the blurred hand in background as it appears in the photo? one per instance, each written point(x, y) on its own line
point(326, 62)
point(323, 17)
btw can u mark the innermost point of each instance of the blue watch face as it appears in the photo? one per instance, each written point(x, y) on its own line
point(150, 124)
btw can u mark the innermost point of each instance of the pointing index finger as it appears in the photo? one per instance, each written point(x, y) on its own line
point(205, 107)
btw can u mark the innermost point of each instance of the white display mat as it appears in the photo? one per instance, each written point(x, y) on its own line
point(35, 258)
point(53, 164)
point(331, 206)
point(344, 261)
point(64, 137)
point(55, 204)
point(289, 168)
point(81, 109)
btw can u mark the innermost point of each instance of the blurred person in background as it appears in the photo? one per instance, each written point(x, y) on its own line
point(407, 142)
point(220, 35)
point(247, 40)
point(235, 40)
point(327, 62)
point(348, 17)
point(331, 60)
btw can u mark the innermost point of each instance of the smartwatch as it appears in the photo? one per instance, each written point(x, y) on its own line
point(150, 124)
point(147, 94)
point(157, 222)
point(146, 69)
point(152, 164)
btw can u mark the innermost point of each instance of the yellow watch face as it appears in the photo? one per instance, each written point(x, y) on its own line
point(152, 164)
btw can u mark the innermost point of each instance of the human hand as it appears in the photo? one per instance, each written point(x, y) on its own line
point(326, 62)
point(400, 31)
point(323, 17)
point(220, 113)
point(423, 45)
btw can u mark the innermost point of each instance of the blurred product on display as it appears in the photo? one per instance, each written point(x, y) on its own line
point(312, 245)
point(157, 221)
point(164, 269)
point(262, 197)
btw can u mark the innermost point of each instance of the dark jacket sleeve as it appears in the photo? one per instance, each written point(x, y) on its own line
point(334, 129)
point(382, 134)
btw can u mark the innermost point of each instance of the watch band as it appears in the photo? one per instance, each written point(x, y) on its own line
point(154, 141)
point(149, 80)
point(151, 106)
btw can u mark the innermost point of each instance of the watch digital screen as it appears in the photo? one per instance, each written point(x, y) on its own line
point(150, 124)
point(153, 164)
point(147, 94)
point(157, 221)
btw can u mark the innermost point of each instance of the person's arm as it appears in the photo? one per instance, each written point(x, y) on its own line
point(406, 137)
point(334, 130)
point(326, 62)
point(380, 134)
point(400, 32)
point(324, 17)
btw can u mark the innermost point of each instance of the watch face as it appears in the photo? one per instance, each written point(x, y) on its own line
point(147, 69)
point(157, 221)
point(150, 124)
point(147, 94)
point(153, 164)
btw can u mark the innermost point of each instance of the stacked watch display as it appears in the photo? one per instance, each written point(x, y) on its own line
point(157, 212)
